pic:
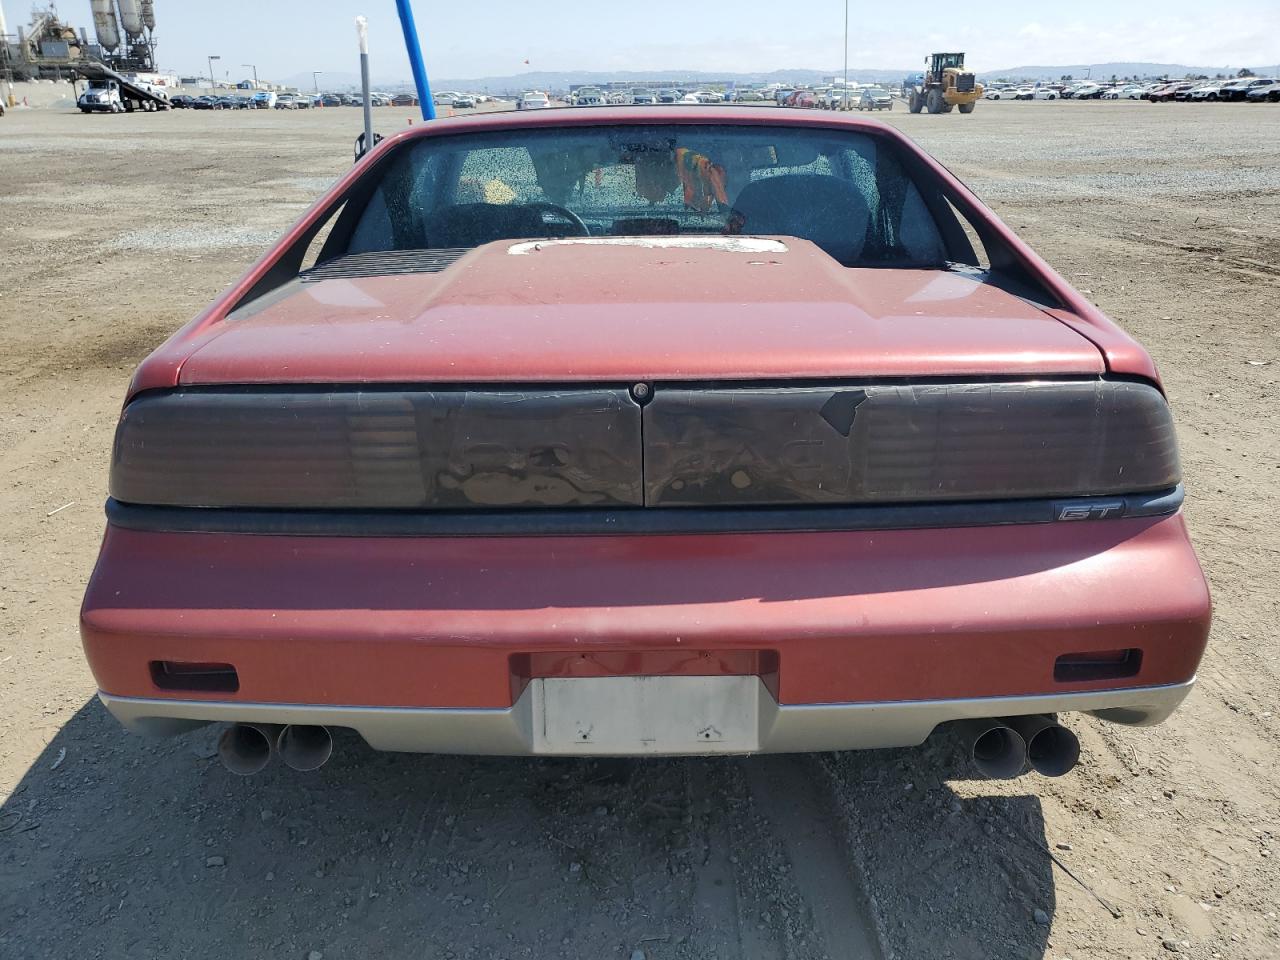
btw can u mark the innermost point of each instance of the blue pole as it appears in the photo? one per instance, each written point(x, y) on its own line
point(414, 49)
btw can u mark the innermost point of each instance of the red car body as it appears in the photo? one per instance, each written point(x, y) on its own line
point(453, 637)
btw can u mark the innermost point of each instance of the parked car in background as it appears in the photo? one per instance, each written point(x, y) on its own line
point(1182, 92)
point(447, 485)
point(1044, 93)
point(642, 96)
point(1131, 92)
point(1240, 89)
point(589, 97)
point(747, 95)
point(1170, 91)
point(803, 98)
point(533, 101)
point(874, 98)
point(1205, 91)
point(264, 99)
point(206, 102)
point(1087, 91)
point(831, 98)
point(405, 100)
point(464, 102)
point(1264, 93)
point(997, 93)
point(181, 101)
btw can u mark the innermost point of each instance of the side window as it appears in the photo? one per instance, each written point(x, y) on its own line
point(979, 248)
point(917, 233)
point(373, 232)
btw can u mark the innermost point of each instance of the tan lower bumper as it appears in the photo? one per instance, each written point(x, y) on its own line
point(773, 728)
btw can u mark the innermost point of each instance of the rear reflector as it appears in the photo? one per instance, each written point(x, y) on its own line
point(1097, 665)
point(209, 677)
point(346, 448)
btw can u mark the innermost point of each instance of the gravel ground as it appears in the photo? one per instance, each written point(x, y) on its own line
point(114, 230)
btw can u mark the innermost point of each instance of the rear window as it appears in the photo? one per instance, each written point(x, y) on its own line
point(847, 192)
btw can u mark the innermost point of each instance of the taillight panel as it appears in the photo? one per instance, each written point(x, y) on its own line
point(906, 443)
point(396, 449)
point(422, 449)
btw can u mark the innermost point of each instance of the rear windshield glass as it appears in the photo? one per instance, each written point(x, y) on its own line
point(847, 192)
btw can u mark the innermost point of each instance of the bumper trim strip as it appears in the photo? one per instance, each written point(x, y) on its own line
point(783, 728)
point(638, 520)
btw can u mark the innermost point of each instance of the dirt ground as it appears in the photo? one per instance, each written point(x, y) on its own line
point(115, 230)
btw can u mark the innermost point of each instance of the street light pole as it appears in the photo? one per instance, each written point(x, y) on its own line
point(844, 94)
point(255, 73)
point(212, 57)
point(315, 79)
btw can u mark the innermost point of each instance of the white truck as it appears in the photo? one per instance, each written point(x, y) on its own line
point(111, 92)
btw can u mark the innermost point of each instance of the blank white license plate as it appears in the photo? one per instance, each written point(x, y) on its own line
point(619, 716)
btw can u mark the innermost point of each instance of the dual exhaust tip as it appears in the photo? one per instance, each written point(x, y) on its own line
point(1002, 749)
point(246, 748)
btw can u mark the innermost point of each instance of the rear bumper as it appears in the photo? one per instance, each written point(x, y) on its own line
point(512, 731)
point(419, 637)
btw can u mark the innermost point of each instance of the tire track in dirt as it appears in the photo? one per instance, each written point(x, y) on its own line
point(787, 790)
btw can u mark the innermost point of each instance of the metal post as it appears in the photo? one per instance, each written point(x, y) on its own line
point(254, 67)
point(212, 82)
point(844, 94)
point(362, 31)
point(414, 49)
point(315, 79)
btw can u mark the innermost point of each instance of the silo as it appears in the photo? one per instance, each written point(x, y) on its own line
point(149, 14)
point(104, 24)
point(131, 18)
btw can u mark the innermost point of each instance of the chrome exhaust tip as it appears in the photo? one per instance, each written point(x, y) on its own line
point(1052, 749)
point(245, 748)
point(305, 747)
point(997, 750)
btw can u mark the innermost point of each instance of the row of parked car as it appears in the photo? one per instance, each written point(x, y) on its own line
point(1248, 89)
point(1251, 89)
point(267, 100)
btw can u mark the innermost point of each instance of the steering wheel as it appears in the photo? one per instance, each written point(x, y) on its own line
point(545, 206)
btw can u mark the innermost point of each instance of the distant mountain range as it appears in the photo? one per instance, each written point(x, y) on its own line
point(563, 79)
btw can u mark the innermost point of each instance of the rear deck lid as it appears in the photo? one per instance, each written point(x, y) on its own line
point(633, 308)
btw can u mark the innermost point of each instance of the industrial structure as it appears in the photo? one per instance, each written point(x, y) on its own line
point(50, 49)
point(124, 31)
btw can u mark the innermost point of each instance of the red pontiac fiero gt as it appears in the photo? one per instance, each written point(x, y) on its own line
point(669, 430)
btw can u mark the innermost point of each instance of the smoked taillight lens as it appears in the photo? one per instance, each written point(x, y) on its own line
point(905, 443)
point(351, 449)
point(346, 448)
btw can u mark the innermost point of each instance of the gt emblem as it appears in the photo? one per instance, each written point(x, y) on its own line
point(1090, 511)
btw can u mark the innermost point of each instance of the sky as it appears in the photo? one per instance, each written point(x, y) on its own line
point(468, 39)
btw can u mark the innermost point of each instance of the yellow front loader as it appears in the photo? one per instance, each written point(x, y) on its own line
point(946, 84)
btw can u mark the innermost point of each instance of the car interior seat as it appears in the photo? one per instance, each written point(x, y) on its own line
point(827, 210)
